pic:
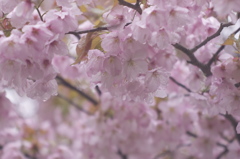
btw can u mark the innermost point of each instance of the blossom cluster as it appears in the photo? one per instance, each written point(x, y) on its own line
point(120, 79)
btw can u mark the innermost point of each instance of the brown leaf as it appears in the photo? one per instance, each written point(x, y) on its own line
point(84, 45)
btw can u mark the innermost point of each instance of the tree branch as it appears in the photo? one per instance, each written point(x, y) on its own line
point(98, 90)
point(73, 104)
point(37, 8)
point(67, 84)
point(130, 5)
point(193, 60)
point(204, 42)
point(237, 84)
point(205, 68)
point(224, 152)
point(215, 56)
point(121, 154)
point(234, 123)
point(191, 134)
point(87, 31)
point(179, 84)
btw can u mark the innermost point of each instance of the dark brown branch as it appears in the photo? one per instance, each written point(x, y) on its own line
point(234, 123)
point(67, 84)
point(87, 31)
point(130, 5)
point(189, 133)
point(179, 84)
point(206, 68)
point(224, 152)
point(215, 56)
point(39, 13)
point(121, 154)
point(204, 42)
point(218, 51)
point(237, 84)
point(98, 90)
point(193, 60)
point(72, 103)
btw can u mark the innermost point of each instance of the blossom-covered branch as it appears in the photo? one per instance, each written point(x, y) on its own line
point(216, 34)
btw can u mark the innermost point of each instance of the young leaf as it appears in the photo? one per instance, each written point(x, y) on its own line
point(84, 45)
point(230, 40)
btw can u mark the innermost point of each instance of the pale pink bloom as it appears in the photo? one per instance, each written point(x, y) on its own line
point(13, 151)
point(63, 66)
point(60, 22)
point(7, 6)
point(56, 46)
point(21, 13)
point(224, 7)
point(156, 79)
point(64, 3)
point(83, 2)
point(118, 17)
point(112, 65)
point(36, 35)
point(153, 18)
point(62, 152)
point(111, 43)
point(134, 63)
point(11, 47)
point(141, 33)
point(178, 17)
point(164, 58)
point(43, 88)
point(95, 62)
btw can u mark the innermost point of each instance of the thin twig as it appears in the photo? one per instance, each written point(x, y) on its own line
point(67, 84)
point(205, 68)
point(130, 5)
point(98, 90)
point(37, 8)
point(193, 60)
point(216, 34)
point(224, 152)
point(214, 57)
point(191, 134)
point(87, 31)
point(39, 14)
point(179, 84)
point(218, 51)
point(121, 154)
point(234, 123)
point(73, 104)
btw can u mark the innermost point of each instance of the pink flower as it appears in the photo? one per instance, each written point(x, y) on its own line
point(113, 65)
point(156, 79)
point(21, 13)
